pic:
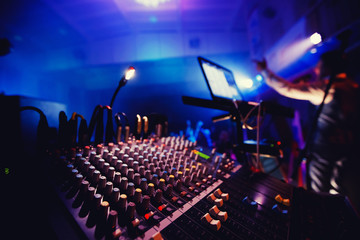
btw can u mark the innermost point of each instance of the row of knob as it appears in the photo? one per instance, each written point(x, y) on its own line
point(146, 184)
point(105, 195)
point(138, 146)
point(138, 175)
point(104, 212)
point(112, 194)
point(144, 164)
point(176, 143)
point(126, 178)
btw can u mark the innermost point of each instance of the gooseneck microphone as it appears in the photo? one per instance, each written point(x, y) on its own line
point(129, 74)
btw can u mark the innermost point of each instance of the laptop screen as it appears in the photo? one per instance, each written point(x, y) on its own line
point(220, 80)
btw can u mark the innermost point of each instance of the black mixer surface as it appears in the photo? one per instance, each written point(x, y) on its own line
point(169, 188)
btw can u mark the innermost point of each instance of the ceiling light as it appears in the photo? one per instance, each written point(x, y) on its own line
point(313, 50)
point(259, 77)
point(245, 83)
point(315, 38)
point(151, 3)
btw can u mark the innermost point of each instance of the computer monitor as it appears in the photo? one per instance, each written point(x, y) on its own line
point(220, 80)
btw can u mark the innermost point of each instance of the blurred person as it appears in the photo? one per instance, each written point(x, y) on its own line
point(334, 139)
point(200, 135)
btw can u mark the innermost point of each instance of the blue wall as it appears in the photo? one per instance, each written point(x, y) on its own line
point(157, 87)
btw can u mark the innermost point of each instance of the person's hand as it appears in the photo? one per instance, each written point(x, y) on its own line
point(260, 65)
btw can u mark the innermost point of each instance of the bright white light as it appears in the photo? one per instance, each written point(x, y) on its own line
point(313, 50)
point(151, 3)
point(245, 83)
point(130, 72)
point(315, 38)
point(259, 77)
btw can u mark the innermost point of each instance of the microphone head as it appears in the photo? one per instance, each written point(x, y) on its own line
point(130, 72)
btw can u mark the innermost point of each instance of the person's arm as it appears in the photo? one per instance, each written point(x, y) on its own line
point(313, 92)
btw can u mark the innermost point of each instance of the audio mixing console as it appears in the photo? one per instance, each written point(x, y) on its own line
point(169, 188)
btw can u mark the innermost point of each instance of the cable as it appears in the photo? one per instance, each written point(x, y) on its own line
point(93, 120)
point(119, 120)
point(119, 117)
point(97, 120)
point(244, 120)
point(62, 136)
point(99, 130)
point(116, 92)
point(75, 115)
point(109, 128)
point(258, 136)
point(256, 164)
point(83, 137)
point(33, 109)
point(72, 129)
point(42, 129)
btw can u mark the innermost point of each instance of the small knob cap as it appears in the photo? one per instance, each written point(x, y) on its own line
point(143, 184)
point(158, 196)
point(137, 195)
point(110, 173)
point(130, 189)
point(130, 212)
point(142, 171)
point(169, 189)
point(161, 184)
point(131, 173)
point(148, 175)
point(122, 203)
point(130, 162)
point(124, 169)
point(155, 180)
point(187, 180)
point(101, 185)
point(117, 179)
point(115, 196)
point(137, 179)
point(145, 203)
point(172, 179)
point(178, 185)
point(151, 189)
point(123, 184)
point(111, 222)
point(108, 189)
